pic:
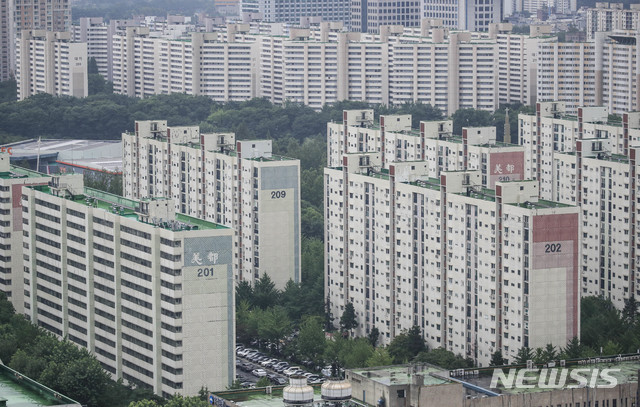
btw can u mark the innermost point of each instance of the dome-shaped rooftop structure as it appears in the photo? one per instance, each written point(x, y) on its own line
point(336, 390)
point(298, 392)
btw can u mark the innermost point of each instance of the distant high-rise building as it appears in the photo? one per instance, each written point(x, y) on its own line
point(471, 15)
point(368, 16)
point(26, 15)
point(291, 11)
point(49, 62)
point(611, 17)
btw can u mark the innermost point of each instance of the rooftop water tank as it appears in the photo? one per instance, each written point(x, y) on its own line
point(298, 392)
point(336, 390)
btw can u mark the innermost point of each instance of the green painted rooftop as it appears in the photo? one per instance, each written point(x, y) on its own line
point(402, 374)
point(20, 391)
point(125, 207)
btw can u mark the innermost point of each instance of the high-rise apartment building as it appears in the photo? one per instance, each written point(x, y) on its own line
point(471, 15)
point(478, 270)
point(611, 17)
point(292, 11)
point(17, 16)
point(147, 290)
point(588, 161)
point(368, 16)
point(433, 143)
point(12, 180)
point(239, 184)
point(604, 72)
point(49, 62)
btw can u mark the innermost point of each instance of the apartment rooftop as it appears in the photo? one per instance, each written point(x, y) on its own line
point(19, 172)
point(540, 204)
point(403, 374)
point(129, 209)
point(20, 391)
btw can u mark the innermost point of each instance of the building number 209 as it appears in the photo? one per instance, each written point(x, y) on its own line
point(278, 194)
point(205, 272)
point(552, 247)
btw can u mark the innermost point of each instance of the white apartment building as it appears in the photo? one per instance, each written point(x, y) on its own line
point(604, 72)
point(471, 15)
point(49, 62)
point(19, 16)
point(478, 270)
point(241, 185)
point(611, 17)
point(368, 16)
point(590, 162)
point(204, 65)
point(292, 11)
point(433, 143)
point(147, 290)
point(12, 180)
point(315, 67)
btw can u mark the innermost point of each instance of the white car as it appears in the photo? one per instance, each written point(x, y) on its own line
point(259, 372)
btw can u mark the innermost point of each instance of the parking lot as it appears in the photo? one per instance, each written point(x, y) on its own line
point(251, 364)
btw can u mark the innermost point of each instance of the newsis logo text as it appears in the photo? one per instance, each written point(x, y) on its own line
point(554, 378)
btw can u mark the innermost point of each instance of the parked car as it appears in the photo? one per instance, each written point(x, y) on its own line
point(281, 381)
point(259, 372)
point(290, 369)
point(268, 362)
point(247, 385)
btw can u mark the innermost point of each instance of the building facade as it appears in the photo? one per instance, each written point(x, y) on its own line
point(19, 16)
point(12, 181)
point(604, 72)
point(471, 15)
point(478, 270)
point(611, 17)
point(291, 11)
point(591, 162)
point(151, 298)
point(48, 62)
point(240, 184)
point(368, 16)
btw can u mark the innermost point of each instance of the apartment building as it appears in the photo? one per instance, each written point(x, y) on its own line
point(434, 143)
point(239, 184)
point(368, 16)
point(204, 65)
point(611, 17)
point(48, 62)
point(604, 72)
point(27, 15)
point(318, 66)
point(471, 15)
point(147, 290)
point(12, 181)
point(292, 11)
point(589, 161)
point(477, 269)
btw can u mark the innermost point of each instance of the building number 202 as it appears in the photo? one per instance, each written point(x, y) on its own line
point(552, 247)
point(278, 194)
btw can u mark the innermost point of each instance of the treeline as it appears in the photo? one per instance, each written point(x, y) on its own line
point(124, 9)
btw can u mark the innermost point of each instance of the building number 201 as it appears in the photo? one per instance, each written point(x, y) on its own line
point(552, 247)
point(205, 272)
point(278, 194)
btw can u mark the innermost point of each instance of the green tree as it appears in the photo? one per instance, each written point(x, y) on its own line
point(497, 359)
point(8, 91)
point(178, 400)
point(355, 353)
point(293, 300)
point(524, 354)
point(311, 342)
point(573, 350)
point(265, 294)
point(263, 382)
point(348, 320)
point(611, 348)
point(630, 310)
point(273, 325)
point(408, 344)
point(235, 385)
point(244, 293)
point(444, 358)
point(470, 118)
point(144, 403)
point(380, 357)
point(373, 336)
